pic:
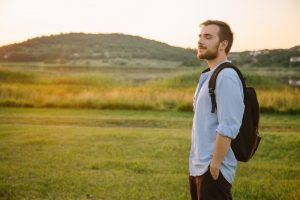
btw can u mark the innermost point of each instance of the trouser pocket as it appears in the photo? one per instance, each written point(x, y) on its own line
point(211, 189)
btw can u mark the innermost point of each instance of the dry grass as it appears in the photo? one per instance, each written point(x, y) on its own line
point(97, 90)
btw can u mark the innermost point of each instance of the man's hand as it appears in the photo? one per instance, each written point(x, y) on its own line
point(214, 171)
point(221, 148)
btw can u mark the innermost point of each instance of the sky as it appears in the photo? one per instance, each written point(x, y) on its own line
point(257, 24)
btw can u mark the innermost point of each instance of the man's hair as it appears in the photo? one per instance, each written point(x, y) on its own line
point(225, 32)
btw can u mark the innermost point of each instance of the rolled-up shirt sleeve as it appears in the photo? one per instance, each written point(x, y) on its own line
point(230, 103)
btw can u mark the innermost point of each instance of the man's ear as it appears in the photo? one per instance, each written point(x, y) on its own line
point(224, 44)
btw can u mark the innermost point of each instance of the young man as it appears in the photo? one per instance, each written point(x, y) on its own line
point(212, 163)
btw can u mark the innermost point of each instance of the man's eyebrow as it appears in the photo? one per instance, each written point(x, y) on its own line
point(206, 34)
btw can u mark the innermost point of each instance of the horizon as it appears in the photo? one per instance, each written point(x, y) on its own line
point(268, 24)
point(108, 33)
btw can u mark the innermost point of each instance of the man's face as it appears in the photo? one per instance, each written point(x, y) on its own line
point(209, 42)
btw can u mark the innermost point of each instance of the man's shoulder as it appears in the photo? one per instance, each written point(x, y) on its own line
point(227, 72)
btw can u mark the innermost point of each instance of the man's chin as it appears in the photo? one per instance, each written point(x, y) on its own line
point(206, 56)
point(200, 56)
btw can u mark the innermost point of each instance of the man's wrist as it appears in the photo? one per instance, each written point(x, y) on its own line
point(215, 166)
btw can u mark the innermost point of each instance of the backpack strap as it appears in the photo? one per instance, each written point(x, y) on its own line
point(213, 80)
point(206, 70)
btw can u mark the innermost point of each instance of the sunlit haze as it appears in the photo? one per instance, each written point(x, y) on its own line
point(257, 24)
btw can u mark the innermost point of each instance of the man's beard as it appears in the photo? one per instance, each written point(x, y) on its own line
point(209, 54)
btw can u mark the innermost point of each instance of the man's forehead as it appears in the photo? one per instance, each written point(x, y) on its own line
point(211, 29)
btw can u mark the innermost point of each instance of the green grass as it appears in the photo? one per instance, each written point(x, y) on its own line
point(119, 154)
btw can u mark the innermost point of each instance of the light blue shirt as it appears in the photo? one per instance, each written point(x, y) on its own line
point(226, 120)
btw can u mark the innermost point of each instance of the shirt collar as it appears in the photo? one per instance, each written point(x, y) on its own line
point(220, 63)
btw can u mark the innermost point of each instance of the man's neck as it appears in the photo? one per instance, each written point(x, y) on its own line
point(213, 63)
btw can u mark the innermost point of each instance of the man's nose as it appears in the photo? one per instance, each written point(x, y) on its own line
point(200, 43)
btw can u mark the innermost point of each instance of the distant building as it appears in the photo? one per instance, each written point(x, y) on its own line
point(255, 53)
point(75, 55)
point(294, 83)
point(295, 59)
point(6, 56)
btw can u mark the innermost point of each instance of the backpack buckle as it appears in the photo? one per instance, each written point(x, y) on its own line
point(211, 92)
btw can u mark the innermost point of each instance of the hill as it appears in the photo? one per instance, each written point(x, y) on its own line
point(268, 57)
point(82, 46)
point(92, 46)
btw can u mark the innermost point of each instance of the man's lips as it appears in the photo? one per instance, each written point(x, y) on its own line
point(201, 47)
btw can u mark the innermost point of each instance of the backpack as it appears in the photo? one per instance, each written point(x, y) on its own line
point(246, 143)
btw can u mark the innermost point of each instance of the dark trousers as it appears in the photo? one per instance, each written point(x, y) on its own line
point(206, 188)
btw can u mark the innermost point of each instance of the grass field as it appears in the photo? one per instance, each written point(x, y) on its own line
point(96, 131)
point(116, 154)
